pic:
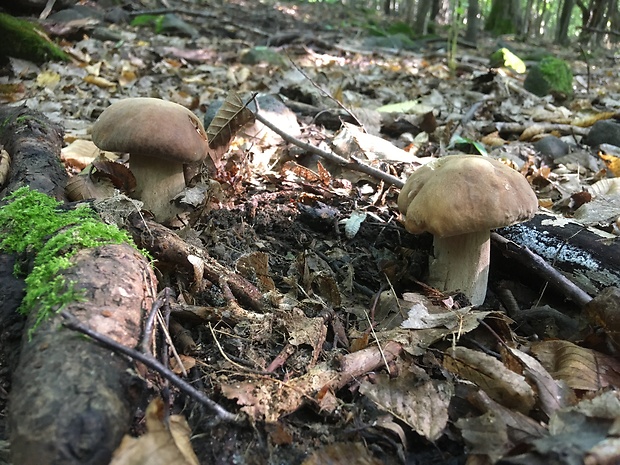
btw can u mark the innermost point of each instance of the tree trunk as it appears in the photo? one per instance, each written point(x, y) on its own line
point(473, 11)
point(504, 17)
point(422, 16)
point(561, 35)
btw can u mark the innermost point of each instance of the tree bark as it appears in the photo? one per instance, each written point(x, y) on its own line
point(588, 257)
point(34, 143)
point(422, 16)
point(473, 23)
point(71, 400)
point(561, 36)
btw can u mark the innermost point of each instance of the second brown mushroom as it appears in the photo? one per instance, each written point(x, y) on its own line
point(459, 199)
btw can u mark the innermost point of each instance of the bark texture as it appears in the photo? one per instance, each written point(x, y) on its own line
point(34, 143)
point(71, 401)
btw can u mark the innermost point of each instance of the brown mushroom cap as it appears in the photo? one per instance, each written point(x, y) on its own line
point(461, 194)
point(151, 127)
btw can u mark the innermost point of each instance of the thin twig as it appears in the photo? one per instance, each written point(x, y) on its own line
point(72, 323)
point(544, 269)
point(324, 92)
point(353, 164)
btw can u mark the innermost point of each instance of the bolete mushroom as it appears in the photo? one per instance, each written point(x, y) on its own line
point(459, 199)
point(160, 138)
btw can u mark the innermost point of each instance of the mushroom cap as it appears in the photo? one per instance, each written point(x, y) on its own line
point(461, 194)
point(151, 127)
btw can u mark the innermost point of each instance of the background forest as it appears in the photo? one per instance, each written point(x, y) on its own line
point(589, 23)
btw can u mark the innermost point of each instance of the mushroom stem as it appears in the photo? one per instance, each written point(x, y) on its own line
point(158, 181)
point(461, 263)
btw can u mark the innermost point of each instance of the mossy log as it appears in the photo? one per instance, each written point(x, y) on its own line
point(23, 39)
point(33, 143)
point(72, 400)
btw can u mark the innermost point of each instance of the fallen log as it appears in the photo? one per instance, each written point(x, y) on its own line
point(34, 143)
point(72, 400)
point(587, 256)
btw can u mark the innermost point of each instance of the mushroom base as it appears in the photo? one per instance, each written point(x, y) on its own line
point(461, 263)
point(157, 183)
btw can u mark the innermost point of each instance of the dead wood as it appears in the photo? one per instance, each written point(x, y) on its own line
point(34, 143)
point(151, 362)
point(588, 257)
point(71, 400)
point(353, 164)
point(170, 250)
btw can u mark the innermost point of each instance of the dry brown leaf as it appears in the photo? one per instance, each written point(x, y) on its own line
point(79, 154)
point(160, 445)
point(531, 131)
point(304, 330)
point(255, 267)
point(100, 82)
point(580, 368)
point(422, 314)
point(489, 374)
point(612, 162)
point(520, 428)
point(485, 435)
point(267, 399)
point(5, 166)
point(85, 186)
point(325, 175)
point(187, 361)
point(231, 116)
point(493, 140)
point(301, 171)
point(122, 178)
point(351, 141)
point(423, 405)
point(589, 120)
point(552, 394)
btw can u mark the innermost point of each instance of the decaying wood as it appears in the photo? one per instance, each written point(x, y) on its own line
point(540, 267)
point(71, 400)
point(169, 249)
point(153, 363)
point(34, 143)
point(590, 258)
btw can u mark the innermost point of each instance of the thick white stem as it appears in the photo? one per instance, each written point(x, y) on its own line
point(461, 263)
point(158, 182)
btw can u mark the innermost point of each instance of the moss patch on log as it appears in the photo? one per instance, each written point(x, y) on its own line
point(23, 39)
point(34, 223)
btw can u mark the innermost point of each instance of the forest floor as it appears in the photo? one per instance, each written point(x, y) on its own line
point(326, 243)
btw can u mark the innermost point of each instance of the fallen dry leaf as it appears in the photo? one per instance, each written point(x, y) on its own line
point(489, 374)
point(422, 404)
point(160, 445)
point(580, 368)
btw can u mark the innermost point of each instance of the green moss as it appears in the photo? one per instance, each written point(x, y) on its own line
point(33, 222)
point(22, 39)
point(550, 76)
